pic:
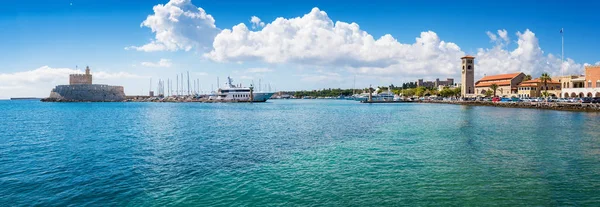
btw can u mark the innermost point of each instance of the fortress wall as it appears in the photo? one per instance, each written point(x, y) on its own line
point(92, 92)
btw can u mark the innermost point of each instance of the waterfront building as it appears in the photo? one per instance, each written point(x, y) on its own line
point(467, 87)
point(436, 83)
point(507, 84)
point(587, 85)
point(453, 86)
point(535, 87)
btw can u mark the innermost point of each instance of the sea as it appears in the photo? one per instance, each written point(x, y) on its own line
point(295, 153)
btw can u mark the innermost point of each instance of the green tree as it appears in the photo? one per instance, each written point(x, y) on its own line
point(419, 91)
point(494, 87)
point(545, 94)
point(488, 93)
point(545, 78)
point(457, 91)
point(447, 92)
point(408, 92)
point(527, 77)
point(434, 91)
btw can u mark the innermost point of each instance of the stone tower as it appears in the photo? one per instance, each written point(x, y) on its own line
point(78, 79)
point(467, 88)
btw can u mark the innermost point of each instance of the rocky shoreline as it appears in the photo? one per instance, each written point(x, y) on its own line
point(580, 107)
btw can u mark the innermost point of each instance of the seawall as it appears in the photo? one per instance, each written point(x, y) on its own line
point(582, 107)
point(86, 93)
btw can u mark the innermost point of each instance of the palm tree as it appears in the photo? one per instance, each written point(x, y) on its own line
point(494, 87)
point(488, 93)
point(545, 78)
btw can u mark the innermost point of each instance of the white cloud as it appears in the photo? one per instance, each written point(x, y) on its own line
point(314, 39)
point(320, 76)
point(503, 34)
point(258, 70)
point(528, 57)
point(40, 81)
point(500, 39)
point(163, 63)
point(178, 25)
point(492, 36)
point(256, 22)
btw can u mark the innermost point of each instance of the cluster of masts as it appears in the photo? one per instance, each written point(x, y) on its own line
point(183, 87)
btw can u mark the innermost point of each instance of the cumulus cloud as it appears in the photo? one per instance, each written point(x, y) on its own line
point(38, 82)
point(316, 40)
point(256, 22)
point(178, 25)
point(258, 70)
point(527, 57)
point(503, 34)
point(162, 63)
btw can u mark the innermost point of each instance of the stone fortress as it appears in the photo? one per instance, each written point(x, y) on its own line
point(81, 89)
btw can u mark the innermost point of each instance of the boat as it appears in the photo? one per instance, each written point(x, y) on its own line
point(233, 93)
point(382, 96)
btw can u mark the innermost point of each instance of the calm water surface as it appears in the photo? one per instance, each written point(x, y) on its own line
point(295, 153)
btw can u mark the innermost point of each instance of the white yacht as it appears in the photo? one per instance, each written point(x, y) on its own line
point(231, 92)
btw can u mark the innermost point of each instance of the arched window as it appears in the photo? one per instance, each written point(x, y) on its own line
point(598, 84)
point(589, 84)
point(469, 67)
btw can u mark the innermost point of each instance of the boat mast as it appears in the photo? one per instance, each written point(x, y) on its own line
point(188, 81)
point(354, 86)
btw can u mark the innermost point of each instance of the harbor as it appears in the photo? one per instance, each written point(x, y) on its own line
point(123, 150)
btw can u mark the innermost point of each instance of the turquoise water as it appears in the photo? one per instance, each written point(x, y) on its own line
point(295, 153)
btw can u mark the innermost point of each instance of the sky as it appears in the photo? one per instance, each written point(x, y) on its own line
point(288, 45)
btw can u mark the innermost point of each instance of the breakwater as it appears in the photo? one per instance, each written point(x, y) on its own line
point(185, 99)
point(583, 107)
point(86, 93)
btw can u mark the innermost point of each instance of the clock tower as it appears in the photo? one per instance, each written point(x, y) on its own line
point(467, 87)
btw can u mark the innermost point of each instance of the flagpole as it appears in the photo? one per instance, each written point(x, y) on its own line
point(562, 56)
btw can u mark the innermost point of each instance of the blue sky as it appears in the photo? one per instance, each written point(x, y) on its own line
point(62, 34)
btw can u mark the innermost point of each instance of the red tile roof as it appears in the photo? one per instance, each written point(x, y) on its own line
point(536, 81)
point(499, 83)
point(468, 56)
point(509, 76)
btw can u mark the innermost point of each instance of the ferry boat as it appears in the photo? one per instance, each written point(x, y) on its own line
point(231, 92)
